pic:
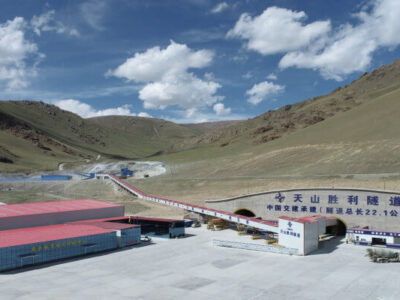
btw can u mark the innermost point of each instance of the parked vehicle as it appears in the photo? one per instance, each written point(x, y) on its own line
point(383, 256)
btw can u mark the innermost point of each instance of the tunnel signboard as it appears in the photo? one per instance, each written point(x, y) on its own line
point(355, 207)
point(290, 230)
point(343, 204)
point(291, 234)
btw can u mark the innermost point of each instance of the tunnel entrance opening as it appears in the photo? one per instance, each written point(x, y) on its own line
point(339, 229)
point(245, 212)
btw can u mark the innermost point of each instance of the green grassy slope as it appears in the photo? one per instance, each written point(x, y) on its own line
point(365, 139)
point(155, 134)
point(26, 156)
point(352, 130)
point(39, 135)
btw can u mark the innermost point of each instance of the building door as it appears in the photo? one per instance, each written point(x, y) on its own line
point(27, 260)
point(90, 249)
point(378, 241)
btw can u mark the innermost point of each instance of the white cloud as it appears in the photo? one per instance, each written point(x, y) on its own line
point(86, 111)
point(189, 113)
point(46, 22)
point(262, 90)
point(248, 75)
point(93, 12)
point(277, 30)
point(168, 81)
point(221, 110)
point(242, 58)
point(272, 76)
point(201, 116)
point(220, 8)
point(155, 63)
point(209, 76)
point(41, 22)
point(384, 22)
point(144, 115)
point(351, 48)
point(19, 56)
point(15, 54)
point(335, 53)
point(185, 90)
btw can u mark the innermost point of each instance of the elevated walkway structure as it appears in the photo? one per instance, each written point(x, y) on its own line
point(231, 217)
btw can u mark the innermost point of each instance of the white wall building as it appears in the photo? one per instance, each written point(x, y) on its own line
point(369, 237)
point(301, 233)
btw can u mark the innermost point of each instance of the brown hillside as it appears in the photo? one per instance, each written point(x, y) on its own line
point(277, 123)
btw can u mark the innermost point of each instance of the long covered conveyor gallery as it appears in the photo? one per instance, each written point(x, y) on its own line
point(299, 235)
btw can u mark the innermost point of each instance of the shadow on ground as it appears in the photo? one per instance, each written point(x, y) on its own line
point(329, 246)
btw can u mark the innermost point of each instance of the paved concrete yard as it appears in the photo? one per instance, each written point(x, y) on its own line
point(192, 268)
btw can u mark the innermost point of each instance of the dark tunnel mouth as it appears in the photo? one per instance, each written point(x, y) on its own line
point(245, 212)
point(339, 229)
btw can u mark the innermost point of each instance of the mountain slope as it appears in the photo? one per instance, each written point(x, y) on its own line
point(362, 139)
point(352, 130)
point(158, 135)
point(209, 126)
point(53, 135)
point(290, 118)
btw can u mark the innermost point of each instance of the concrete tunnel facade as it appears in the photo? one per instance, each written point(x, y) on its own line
point(375, 209)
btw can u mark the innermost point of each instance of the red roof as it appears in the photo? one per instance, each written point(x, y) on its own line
point(101, 220)
point(114, 220)
point(307, 219)
point(24, 209)
point(112, 225)
point(24, 236)
point(105, 223)
point(155, 219)
point(288, 218)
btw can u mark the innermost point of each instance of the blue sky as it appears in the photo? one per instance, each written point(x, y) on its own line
point(189, 60)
